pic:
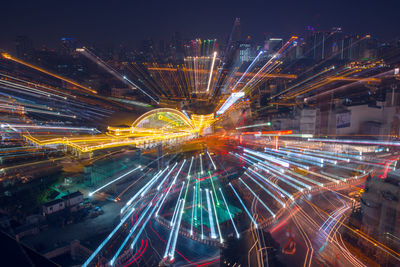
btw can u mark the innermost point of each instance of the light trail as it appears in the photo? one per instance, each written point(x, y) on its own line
point(28, 126)
point(171, 232)
point(145, 223)
point(241, 202)
point(195, 203)
point(296, 157)
point(210, 217)
point(211, 72)
point(176, 206)
point(216, 219)
point(113, 181)
point(171, 253)
point(305, 178)
point(7, 56)
point(253, 126)
point(143, 190)
point(201, 214)
point(170, 187)
point(273, 185)
point(190, 167)
point(140, 89)
point(247, 70)
point(302, 82)
point(99, 248)
point(262, 202)
point(338, 155)
point(230, 215)
point(229, 102)
point(187, 189)
point(201, 165)
point(266, 190)
point(165, 178)
point(213, 187)
point(215, 167)
point(130, 234)
point(290, 162)
point(154, 180)
point(267, 157)
point(280, 172)
point(323, 159)
point(193, 206)
point(362, 142)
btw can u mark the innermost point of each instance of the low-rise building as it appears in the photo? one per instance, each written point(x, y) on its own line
point(73, 199)
point(67, 201)
point(53, 206)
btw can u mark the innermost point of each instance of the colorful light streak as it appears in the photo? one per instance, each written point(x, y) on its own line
point(113, 181)
point(230, 214)
point(244, 207)
point(213, 234)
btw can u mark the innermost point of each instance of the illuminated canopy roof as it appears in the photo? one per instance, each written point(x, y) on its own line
point(165, 119)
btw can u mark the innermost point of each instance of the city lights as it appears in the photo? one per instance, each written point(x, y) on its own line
point(253, 147)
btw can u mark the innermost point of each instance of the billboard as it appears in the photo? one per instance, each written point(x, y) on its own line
point(343, 119)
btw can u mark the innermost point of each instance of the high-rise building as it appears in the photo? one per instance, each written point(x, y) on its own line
point(24, 47)
point(233, 43)
point(245, 54)
point(68, 46)
point(272, 45)
point(178, 45)
point(236, 34)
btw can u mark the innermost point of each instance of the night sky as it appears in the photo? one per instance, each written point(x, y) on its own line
point(126, 22)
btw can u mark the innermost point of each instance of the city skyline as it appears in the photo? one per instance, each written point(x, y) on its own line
point(96, 23)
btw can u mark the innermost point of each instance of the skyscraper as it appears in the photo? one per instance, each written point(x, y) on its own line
point(24, 47)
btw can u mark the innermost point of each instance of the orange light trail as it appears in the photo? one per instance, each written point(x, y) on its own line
point(8, 56)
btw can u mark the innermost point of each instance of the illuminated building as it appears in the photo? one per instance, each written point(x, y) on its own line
point(245, 52)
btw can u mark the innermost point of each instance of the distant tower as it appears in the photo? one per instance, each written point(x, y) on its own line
point(24, 47)
point(235, 35)
point(233, 42)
